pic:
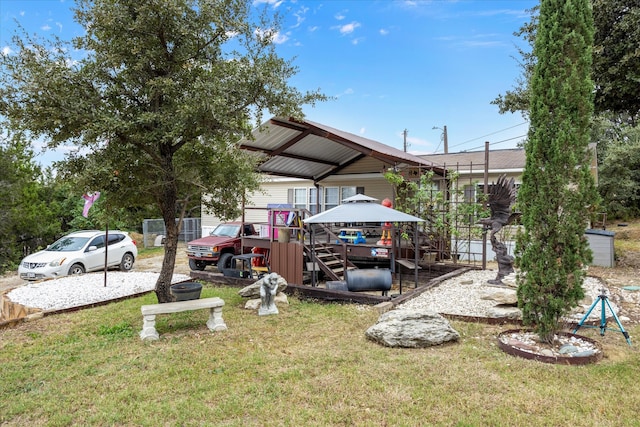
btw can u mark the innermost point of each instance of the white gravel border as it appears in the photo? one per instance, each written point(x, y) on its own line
point(457, 296)
point(460, 295)
point(79, 290)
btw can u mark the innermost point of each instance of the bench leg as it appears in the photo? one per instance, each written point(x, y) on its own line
point(149, 328)
point(215, 322)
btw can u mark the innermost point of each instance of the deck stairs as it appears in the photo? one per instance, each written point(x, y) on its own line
point(329, 257)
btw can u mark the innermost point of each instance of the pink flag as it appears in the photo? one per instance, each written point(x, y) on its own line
point(89, 198)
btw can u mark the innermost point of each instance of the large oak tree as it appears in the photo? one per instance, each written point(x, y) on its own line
point(157, 103)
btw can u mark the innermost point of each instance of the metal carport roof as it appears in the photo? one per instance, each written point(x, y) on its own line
point(309, 150)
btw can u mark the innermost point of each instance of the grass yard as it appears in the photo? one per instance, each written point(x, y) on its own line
point(311, 365)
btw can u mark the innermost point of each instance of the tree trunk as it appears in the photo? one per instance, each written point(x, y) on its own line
point(168, 208)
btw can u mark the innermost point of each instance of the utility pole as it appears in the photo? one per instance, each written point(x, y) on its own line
point(405, 139)
point(446, 140)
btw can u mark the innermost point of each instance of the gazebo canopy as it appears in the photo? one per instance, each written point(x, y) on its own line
point(361, 208)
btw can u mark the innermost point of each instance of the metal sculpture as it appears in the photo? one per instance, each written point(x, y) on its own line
point(501, 198)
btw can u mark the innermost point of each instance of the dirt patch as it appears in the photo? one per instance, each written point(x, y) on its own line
point(154, 263)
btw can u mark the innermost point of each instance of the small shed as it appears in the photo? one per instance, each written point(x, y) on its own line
point(601, 244)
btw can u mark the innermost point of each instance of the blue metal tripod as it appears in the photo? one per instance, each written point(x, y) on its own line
point(602, 298)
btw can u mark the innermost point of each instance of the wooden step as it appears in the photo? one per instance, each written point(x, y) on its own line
point(408, 264)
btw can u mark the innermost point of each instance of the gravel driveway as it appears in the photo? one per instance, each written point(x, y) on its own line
point(149, 264)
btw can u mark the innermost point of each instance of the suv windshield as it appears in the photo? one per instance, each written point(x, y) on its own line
point(68, 244)
point(226, 230)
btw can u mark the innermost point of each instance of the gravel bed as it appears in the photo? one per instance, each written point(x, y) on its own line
point(461, 296)
point(76, 291)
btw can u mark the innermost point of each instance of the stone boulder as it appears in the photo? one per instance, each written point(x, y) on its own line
point(510, 280)
point(504, 296)
point(411, 329)
point(504, 312)
point(253, 291)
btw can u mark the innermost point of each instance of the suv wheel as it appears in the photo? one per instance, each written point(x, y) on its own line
point(76, 269)
point(127, 262)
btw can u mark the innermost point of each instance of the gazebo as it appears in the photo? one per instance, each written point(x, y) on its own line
point(362, 208)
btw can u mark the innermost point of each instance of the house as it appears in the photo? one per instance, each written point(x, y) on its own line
point(312, 166)
point(470, 165)
point(473, 168)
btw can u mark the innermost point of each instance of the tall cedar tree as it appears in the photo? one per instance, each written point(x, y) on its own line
point(557, 189)
point(165, 92)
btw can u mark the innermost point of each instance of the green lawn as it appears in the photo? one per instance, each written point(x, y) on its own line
point(309, 365)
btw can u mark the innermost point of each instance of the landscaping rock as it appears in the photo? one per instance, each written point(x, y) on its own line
point(411, 329)
point(510, 280)
point(504, 312)
point(501, 296)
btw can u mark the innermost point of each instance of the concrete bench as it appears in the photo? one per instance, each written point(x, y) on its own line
point(149, 312)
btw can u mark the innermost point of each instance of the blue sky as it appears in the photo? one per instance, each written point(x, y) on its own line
point(391, 65)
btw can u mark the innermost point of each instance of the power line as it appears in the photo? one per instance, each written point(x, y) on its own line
point(497, 142)
point(489, 134)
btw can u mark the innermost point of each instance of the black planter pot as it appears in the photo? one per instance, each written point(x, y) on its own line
point(186, 291)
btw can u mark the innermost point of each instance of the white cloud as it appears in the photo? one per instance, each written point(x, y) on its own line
point(340, 16)
point(363, 131)
point(275, 37)
point(349, 28)
point(6, 51)
point(45, 27)
point(279, 38)
point(300, 16)
point(274, 3)
point(412, 140)
point(474, 41)
point(383, 31)
point(348, 91)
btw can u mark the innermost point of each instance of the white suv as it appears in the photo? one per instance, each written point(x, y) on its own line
point(80, 252)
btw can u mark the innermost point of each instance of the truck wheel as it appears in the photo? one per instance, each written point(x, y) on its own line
point(224, 262)
point(195, 264)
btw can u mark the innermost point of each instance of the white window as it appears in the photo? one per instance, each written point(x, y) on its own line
point(470, 193)
point(346, 192)
point(313, 200)
point(331, 197)
point(300, 198)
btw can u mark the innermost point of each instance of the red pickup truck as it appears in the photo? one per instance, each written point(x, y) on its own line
point(219, 246)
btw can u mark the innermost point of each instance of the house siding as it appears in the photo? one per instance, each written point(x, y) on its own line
point(275, 191)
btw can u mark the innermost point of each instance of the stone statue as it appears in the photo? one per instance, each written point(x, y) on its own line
point(268, 291)
point(501, 198)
